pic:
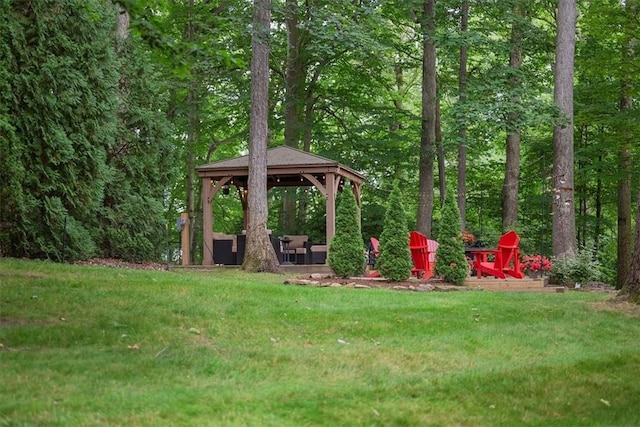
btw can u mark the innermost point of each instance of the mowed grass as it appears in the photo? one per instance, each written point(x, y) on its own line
point(88, 346)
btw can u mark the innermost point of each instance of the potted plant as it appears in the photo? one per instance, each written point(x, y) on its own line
point(468, 238)
point(534, 265)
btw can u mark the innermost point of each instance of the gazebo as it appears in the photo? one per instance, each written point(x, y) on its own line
point(286, 167)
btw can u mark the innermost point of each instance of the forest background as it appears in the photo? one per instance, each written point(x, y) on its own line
point(107, 108)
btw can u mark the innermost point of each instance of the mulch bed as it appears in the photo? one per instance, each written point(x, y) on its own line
point(411, 284)
point(118, 263)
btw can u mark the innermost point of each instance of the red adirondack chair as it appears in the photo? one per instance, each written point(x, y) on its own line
point(432, 246)
point(506, 259)
point(372, 253)
point(423, 254)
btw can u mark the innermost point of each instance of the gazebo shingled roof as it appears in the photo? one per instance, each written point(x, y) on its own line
point(286, 166)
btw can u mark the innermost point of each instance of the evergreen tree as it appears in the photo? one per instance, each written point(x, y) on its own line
point(395, 262)
point(346, 250)
point(12, 173)
point(85, 149)
point(451, 262)
point(61, 73)
point(142, 162)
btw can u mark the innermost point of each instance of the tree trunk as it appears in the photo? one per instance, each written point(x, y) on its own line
point(564, 226)
point(294, 78)
point(400, 88)
point(626, 142)
point(193, 120)
point(462, 127)
point(512, 162)
point(624, 218)
point(597, 231)
point(631, 286)
point(294, 84)
point(398, 72)
point(428, 133)
point(259, 254)
point(442, 178)
point(122, 34)
point(122, 26)
point(582, 192)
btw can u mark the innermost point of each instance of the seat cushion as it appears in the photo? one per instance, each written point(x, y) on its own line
point(297, 240)
point(222, 236)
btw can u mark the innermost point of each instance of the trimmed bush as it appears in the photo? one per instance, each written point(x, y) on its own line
point(395, 262)
point(346, 250)
point(581, 268)
point(451, 263)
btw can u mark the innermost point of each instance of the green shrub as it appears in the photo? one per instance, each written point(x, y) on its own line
point(395, 262)
point(581, 268)
point(129, 246)
point(346, 250)
point(451, 263)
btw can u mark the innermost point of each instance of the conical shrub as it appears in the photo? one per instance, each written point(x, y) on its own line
point(395, 262)
point(451, 263)
point(346, 250)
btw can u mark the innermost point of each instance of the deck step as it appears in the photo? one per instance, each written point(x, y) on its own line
point(526, 284)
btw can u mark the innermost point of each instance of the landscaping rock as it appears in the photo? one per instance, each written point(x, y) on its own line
point(319, 276)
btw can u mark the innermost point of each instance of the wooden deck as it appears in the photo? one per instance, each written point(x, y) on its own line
point(513, 285)
point(286, 269)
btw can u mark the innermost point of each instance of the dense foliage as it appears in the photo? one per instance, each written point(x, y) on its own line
point(142, 160)
point(62, 74)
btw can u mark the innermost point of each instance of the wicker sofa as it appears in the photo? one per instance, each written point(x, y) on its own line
point(225, 249)
point(301, 250)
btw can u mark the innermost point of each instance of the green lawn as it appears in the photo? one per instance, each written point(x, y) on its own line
point(91, 345)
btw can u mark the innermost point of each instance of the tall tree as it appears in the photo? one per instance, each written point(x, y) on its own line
point(12, 171)
point(512, 163)
point(627, 140)
point(61, 116)
point(193, 94)
point(259, 253)
point(294, 81)
point(131, 221)
point(462, 126)
point(429, 112)
point(564, 226)
point(631, 288)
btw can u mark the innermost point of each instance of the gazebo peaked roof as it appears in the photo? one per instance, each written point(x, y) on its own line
point(286, 167)
point(284, 164)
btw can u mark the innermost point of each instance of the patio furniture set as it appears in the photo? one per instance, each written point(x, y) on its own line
point(228, 249)
point(499, 262)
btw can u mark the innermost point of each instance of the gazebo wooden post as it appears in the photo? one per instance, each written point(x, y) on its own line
point(355, 187)
point(331, 208)
point(207, 222)
point(185, 248)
